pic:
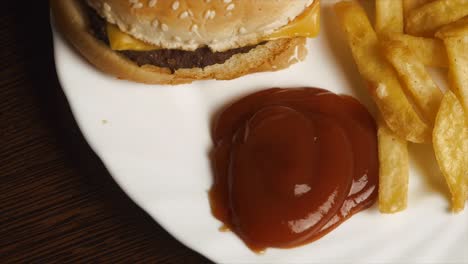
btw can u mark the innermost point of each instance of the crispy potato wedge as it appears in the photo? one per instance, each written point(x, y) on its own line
point(458, 28)
point(383, 83)
point(427, 19)
point(409, 5)
point(431, 52)
point(413, 74)
point(457, 49)
point(450, 140)
point(389, 16)
point(393, 171)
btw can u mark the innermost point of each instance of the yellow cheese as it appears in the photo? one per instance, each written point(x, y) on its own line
point(306, 25)
point(119, 40)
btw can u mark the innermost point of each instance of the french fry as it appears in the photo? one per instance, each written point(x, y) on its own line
point(458, 28)
point(389, 16)
point(450, 141)
point(413, 74)
point(393, 171)
point(409, 5)
point(426, 20)
point(457, 49)
point(431, 52)
point(383, 84)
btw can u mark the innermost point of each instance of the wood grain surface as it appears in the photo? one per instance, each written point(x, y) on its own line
point(57, 201)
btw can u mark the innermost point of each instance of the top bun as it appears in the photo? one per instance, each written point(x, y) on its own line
point(190, 24)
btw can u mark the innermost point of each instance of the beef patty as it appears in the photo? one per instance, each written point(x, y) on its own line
point(173, 59)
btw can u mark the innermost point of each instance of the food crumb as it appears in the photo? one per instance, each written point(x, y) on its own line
point(382, 90)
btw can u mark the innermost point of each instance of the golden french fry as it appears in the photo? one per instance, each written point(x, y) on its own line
point(393, 171)
point(383, 83)
point(450, 141)
point(427, 19)
point(457, 50)
point(458, 28)
point(413, 74)
point(431, 52)
point(409, 5)
point(389, 16)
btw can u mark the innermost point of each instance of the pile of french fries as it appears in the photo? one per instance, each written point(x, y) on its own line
point(392, 56)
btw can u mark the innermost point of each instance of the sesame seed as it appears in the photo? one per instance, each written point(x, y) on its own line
point(155, 23)
point(210, 14)
point(230, 7)
point(137, 5)
point(175, 5)
point(164, 27)
point(184, 14)
point(107, 7)
point(152, 3)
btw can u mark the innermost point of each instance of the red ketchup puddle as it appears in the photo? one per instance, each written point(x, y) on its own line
point(290, 165)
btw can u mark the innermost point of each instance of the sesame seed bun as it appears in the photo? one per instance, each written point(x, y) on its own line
point(188, 24)
point(71, 20)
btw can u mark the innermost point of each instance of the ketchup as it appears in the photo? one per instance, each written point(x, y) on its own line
point(290, 165)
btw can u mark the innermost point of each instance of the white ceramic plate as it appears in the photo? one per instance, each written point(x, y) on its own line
point(154, 141)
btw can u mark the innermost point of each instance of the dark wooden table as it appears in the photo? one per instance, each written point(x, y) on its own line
point(57, 201)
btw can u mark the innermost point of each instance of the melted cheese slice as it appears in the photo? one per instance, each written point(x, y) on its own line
point(306, 25)
point(119, 40)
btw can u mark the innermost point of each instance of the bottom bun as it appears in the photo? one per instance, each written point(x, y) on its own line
point(72, 21)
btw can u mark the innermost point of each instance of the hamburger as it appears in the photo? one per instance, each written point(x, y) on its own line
point(179, 41)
